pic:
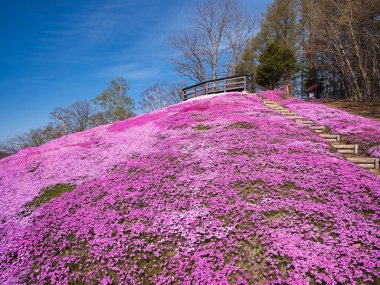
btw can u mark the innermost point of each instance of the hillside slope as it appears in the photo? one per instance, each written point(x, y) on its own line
point(220, 190)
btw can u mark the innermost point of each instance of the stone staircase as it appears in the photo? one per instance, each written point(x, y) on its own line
point(350, 151)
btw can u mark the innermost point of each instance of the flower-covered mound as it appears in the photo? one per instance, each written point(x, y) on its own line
point(355, 129)
point(221, 190)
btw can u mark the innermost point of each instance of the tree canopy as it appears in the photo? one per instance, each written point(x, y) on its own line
point(114, 101)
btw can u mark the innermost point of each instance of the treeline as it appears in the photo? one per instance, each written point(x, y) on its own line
point(332, 43)
point(113, 104)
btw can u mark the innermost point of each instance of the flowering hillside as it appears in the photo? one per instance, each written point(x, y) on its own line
point(220, 190)
point(355, 129)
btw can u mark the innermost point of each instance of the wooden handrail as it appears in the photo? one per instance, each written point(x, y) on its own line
point(226, 84)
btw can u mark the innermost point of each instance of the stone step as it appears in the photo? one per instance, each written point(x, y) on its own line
point(367, 166)
point(290, 115)
point(319, 131)
point(330, 137)
point(346, 146)
point(367, 162)
point(318, 128)
point(347, 151)
point(297, 118)
point(305, 122)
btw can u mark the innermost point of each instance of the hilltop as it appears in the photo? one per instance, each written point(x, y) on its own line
point(220, 190)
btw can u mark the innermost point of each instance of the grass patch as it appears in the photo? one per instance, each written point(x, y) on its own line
point(202, 127)
point(276, 214)
point(251, 261)
point(240, 125)
point(249, 189)
point(367, 213)
point(46, 194)
point(288, 185)
point(238, 151)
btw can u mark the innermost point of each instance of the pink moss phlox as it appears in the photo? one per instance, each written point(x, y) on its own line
point(253, 198)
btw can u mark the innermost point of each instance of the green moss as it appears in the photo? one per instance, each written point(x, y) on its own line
point(289, 185)
point(202, 127)
point(47, 194)
point(367, 213)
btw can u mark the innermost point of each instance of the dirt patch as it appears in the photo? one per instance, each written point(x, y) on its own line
point(370, 110)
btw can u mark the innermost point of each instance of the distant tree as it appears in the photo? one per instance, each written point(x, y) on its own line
point(9, 146)
point(74, 118)
point(114, 102)
point(277, 65)
point(159, 96)
point(214, 44)
point(97, 119)
point(79, 116)
point(33, 137)
point(4, 154)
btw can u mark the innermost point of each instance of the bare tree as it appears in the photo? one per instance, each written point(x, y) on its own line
point(159, 96)
point(213, 18)
point(345, 34)
point(214, 42)
point(75, 118)
point(192, 61)
point(33, 137)
point(9, 146)
point(238, 34)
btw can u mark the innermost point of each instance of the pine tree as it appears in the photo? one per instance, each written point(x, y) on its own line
point(277, 65)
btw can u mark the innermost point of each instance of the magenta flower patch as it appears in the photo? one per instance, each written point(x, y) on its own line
point(220, 190)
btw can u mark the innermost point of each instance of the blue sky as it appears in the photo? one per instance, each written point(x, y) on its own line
point(54, 53)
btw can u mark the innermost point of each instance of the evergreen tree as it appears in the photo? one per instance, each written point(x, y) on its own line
point(277, 65)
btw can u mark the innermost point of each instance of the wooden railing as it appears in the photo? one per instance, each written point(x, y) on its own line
point(227, 84)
